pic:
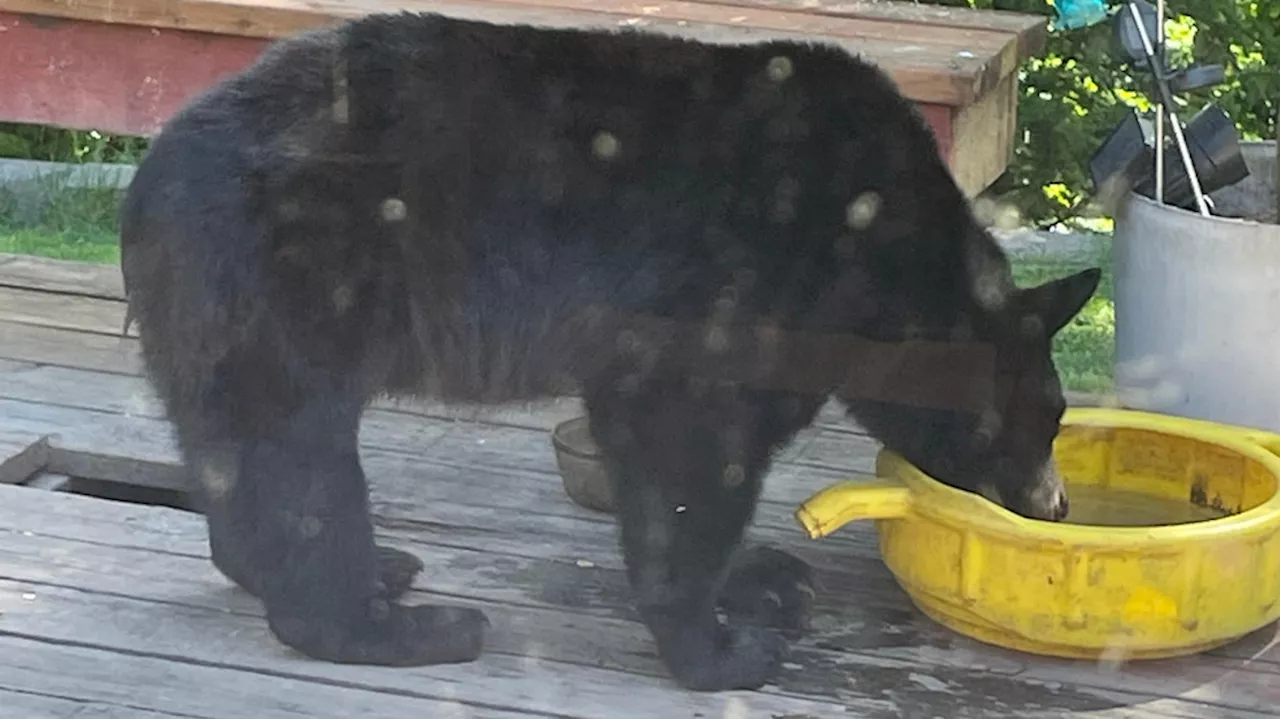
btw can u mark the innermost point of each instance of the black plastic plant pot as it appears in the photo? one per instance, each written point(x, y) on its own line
point(1123, 161)
point(1214, 144)
point(1127, 40)
point(1197, 78)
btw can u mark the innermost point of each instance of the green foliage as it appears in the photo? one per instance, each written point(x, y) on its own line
point(38, 142)
point(1075, 92)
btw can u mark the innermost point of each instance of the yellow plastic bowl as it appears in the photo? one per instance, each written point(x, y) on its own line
point(1087, 591)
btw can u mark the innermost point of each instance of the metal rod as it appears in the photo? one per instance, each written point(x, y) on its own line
point(1157, 68)
point(1160, 37)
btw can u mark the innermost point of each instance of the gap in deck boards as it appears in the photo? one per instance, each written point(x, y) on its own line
point(115, 491)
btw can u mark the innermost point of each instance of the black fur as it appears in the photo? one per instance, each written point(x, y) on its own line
point(705, 241)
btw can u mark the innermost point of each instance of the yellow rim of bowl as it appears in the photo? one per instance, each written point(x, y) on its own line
point(960, 503)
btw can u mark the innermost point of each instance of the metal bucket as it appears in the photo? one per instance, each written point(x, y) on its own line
point(1197, 303)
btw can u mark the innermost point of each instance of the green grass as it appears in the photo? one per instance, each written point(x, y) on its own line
point(80, 225)
point(1084, 350)
point(76, 224)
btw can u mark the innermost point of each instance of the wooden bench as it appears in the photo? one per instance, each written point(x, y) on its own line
point(124, 66)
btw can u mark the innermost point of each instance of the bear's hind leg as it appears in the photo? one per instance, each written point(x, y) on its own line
point(288, 512)
point(231, 547)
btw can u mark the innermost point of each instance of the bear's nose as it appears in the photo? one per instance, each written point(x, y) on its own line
point(1061, 507)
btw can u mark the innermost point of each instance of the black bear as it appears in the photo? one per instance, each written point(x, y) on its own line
point(706, 241)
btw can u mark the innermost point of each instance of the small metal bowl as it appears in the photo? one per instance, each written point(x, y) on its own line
point(582, 467)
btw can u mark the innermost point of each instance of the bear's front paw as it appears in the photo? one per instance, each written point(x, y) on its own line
point(769, 588)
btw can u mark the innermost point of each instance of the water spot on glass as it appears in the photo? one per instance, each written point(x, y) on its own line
point(984, 210)
point(1007, 217)
point(341, 107)
point(733, 475)
point(784, 200)
point(343, 298)
point(1147, 367)
point(605, 145)
point(989, 290)
point(780, 68)
point(727, 301)
point(393, 209)
point(217, 480)
point(1112, 658)
point(310, 527)
point(860, 213)
point(735, 708)
point(1165, 394)
point(716, 339)
point(989, 425)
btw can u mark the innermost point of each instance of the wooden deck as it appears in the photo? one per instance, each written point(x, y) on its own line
point(126, 65)
point(112, 609)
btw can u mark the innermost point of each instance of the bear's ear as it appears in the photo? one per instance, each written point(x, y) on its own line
point(1058, 301)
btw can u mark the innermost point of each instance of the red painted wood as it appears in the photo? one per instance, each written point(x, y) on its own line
point(129, 79)
point(939, 118)
point(116, 78)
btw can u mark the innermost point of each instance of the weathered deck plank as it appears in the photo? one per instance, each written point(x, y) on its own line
point(51, 309)
point(147, 686)
point(42, 344)
point(169, 585)
point(30, 705)
point(82, 279)
point(164, 618)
